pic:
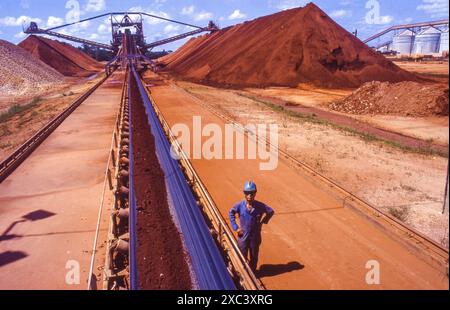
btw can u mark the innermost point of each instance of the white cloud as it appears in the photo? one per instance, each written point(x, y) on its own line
point(341, 13)
point(237, 15)
point(83, 25)
point(408, 20)
point(19, 21)
point(434, 8)
point(189, 10)
point(20, 35)
point(287, 4)
point(93, 36)
point(154, 21)
point(170, 28)
point(386, 19)
point(104, 29)
point(148, 19)
point(54, 21)
point(95, 5)
point(64, 31)
point(76, 30)
point(136, 9)
point(203, 15)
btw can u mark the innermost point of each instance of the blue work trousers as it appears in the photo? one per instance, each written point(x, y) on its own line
point(250, 245)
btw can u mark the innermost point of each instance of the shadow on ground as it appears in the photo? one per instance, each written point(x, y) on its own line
point(10, 257)
point(270, 270)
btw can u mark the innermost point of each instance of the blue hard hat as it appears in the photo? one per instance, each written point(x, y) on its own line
point(249, 186)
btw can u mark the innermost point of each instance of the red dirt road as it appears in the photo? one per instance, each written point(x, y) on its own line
point(313, 241)
point(49, 206)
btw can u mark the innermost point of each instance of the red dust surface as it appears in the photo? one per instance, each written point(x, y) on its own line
point(301, 45)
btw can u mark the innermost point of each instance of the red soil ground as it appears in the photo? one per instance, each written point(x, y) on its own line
point(63, 57)
point(301, 45)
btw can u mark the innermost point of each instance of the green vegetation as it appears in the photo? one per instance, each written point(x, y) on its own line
point(5, 145)
point(17, 108)
point(70, 93)
point(312, 118)
point(4, 130)
point(408, 188)
point(401, 213)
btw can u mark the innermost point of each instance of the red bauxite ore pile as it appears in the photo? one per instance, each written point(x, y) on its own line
point(161, 261)
point(404, 98)
point(63, 57)
point(301, 45)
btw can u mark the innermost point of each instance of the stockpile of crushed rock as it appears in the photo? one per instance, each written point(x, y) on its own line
point(301, 45)
point(63, 57)
point(404, 98)
point(22, 74)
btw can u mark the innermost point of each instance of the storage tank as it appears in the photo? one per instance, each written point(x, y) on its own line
point(443, 46)
point(403, 42)
point(427, 41)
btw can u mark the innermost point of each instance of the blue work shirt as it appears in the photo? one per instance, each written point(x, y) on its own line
point(250, 220)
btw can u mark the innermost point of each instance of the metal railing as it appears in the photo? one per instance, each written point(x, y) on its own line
point(67, 37)
point(107, 195)
point(114, 278)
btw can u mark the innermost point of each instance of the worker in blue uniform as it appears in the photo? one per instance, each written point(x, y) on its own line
point(252, 214)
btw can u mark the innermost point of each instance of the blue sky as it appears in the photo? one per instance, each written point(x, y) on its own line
point(351, 14)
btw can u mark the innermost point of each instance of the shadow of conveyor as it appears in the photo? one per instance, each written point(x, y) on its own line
point(29, 217)
point(9, 257)
point(270, 270)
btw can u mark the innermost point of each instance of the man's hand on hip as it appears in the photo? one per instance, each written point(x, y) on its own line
point(240, 233)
